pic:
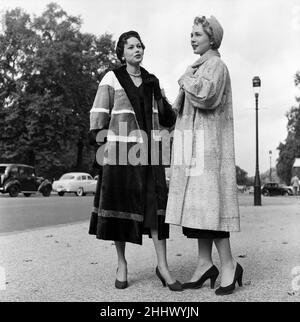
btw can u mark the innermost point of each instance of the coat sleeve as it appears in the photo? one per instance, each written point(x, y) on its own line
point(102, 106)
point(166, 115)
point(205, 90)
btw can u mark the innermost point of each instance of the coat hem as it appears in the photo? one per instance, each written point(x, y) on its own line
point(236, 227)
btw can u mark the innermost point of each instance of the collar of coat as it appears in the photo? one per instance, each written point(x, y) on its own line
point(132, 91)
point(207, 55)
point(127, 83)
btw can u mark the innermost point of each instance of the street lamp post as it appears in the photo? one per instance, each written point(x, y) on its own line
point(257, 187)
point(270, 154)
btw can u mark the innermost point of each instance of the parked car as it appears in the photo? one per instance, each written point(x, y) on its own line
point(275, 189)
point(21, 178)
point(79, 183)
point(289, 188)
point(241, 188)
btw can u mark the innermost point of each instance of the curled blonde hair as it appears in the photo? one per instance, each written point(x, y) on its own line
point(201, 20)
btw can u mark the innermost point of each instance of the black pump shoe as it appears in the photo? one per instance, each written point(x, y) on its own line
point(120, 284)
point(177, 287)
point(238, 276)
point(212, 274)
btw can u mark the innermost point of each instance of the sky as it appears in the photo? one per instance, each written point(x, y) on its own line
point(261, 38)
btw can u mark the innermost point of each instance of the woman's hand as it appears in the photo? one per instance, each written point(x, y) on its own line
point(180, 83)
point(179, 101)
point(92, 136)
point(190, 70)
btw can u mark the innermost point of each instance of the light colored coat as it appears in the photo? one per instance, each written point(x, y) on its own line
point(203, 188)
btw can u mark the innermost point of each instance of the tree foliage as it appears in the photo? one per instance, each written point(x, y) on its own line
point(290, 150)
point(49, 73)
point(241, 176)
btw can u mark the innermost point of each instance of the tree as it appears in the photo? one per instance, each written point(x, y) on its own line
point(17, 46)
point(241, 176)
point(290, 150)
point(49, 76)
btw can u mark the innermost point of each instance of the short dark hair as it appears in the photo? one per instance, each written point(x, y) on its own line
point(123, 39)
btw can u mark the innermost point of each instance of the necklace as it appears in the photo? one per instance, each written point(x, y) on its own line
point(134, 75)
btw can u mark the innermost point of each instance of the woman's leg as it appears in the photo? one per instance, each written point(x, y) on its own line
point(228, 264)
point(204, 258)
point(122, 263)
point(161, 253)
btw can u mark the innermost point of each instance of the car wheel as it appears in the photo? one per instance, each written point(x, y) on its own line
point(13, 191)
point(80, 192)
point(61, 193)
point(266, 193)
point(46, 191)
point(285, 193)
point(27, 194)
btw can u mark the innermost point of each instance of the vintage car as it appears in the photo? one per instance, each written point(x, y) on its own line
point(21, 178)
point(275, 189)
point(79, 183)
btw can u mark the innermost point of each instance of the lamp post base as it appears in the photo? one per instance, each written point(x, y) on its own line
point(257, 196)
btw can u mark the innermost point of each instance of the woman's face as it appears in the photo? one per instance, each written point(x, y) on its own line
point(133, 51)
point(199, 40)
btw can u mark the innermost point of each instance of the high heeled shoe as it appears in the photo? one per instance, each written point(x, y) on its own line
point(238, 277)
point(173, 287)
point(120, 284)
point(212, 274)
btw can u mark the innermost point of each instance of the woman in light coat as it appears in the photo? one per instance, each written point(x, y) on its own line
point(203, 192)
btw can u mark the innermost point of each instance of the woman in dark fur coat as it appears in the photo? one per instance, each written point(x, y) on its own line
point(125, 121)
